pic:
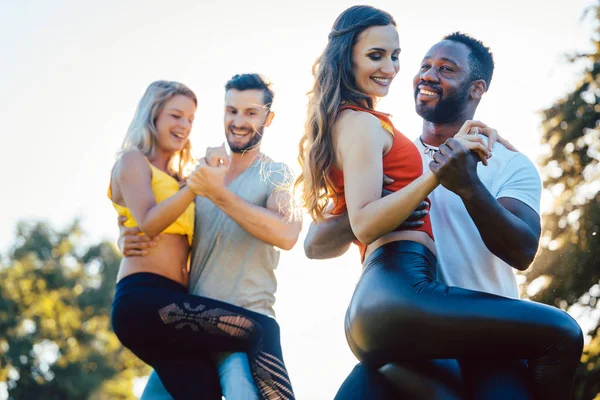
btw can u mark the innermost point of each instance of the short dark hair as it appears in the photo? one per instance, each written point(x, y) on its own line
point(243, 82)
point(481, 60)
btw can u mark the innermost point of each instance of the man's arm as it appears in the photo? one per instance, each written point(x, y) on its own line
point(274, 224)
point(333, 236)
point(328, 238)
point(132, 242)
point(509, 228)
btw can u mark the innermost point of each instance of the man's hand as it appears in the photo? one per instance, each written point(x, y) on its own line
point(208, 181)
point(333, 236)
point(216, 156)
point(415, 219)
point(455, 166)
point(130, 243)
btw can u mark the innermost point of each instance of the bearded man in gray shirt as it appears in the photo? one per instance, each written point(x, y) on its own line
point(240, 222)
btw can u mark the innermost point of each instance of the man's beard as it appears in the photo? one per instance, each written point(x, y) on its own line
point(253, 142)
point(446, 110)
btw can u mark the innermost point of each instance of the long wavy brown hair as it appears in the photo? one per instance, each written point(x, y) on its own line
point(334, 85)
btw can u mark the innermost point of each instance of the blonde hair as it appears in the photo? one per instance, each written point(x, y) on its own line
point(142, 134)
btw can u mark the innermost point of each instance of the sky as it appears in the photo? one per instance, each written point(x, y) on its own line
point(72, 73)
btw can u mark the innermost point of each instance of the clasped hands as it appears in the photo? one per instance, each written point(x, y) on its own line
point(455, 164)
point(208, 179)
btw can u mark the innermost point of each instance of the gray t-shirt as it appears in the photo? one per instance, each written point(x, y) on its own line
point(228, 263)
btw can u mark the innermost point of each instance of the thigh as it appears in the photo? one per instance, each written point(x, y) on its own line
point(152, 322)
point(397, 310)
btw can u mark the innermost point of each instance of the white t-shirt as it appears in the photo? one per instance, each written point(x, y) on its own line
point(463, 258)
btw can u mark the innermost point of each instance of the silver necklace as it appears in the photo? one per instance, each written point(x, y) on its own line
point(429, 150)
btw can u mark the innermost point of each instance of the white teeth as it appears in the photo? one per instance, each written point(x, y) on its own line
point(179, 135)
point(382, 80)
point(427, 92)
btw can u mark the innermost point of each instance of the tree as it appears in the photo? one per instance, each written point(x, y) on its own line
point(55, 336)
point(566, 271)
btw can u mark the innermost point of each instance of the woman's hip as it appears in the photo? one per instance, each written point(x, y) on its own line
point(400, 263)
point(394, 275)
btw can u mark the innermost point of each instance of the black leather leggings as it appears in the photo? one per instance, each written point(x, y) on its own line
point(399, 312)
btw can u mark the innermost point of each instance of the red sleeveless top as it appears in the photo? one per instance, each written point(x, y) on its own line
point(402, 163)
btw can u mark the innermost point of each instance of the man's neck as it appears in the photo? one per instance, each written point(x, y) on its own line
point(436, 134)
point(241, 161)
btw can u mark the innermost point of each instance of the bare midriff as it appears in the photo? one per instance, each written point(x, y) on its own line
point(396, 236)
point(168, 258)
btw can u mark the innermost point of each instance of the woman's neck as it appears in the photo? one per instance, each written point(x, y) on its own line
point(161, 160)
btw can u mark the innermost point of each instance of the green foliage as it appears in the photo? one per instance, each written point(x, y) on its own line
point(56, 341)
point(568, 264)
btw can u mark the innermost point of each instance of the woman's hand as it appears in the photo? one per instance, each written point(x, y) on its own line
point(476, 144)
point(471, 127)
point(206, 180)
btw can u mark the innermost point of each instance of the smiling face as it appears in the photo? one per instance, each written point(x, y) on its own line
point(375, 60)
point(442, 85)
point(174, 123)
point(246, 116)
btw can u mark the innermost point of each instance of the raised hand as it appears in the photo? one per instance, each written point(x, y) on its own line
point(216, 156)
point(474, 143)
point(472, 127)
point(208, 180)
point(455, 164)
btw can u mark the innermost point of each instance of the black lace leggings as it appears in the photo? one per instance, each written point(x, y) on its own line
point(163, 325)
point(399, 312)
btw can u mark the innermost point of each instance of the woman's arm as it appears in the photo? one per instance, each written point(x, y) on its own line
point(134, 178)
point(360, 141)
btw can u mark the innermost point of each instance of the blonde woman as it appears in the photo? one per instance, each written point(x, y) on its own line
point(153, 315)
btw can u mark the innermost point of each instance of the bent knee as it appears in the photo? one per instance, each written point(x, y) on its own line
point(376, 328)
point(569, 334)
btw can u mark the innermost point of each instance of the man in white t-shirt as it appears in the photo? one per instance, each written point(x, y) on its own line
point(485, 221)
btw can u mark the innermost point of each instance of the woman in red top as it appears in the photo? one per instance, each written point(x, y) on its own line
point(399, 311)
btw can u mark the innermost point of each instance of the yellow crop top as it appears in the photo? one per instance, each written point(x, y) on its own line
point(163, 186)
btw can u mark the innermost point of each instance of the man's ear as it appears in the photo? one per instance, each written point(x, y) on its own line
point(270, 117)
point(478, 88)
